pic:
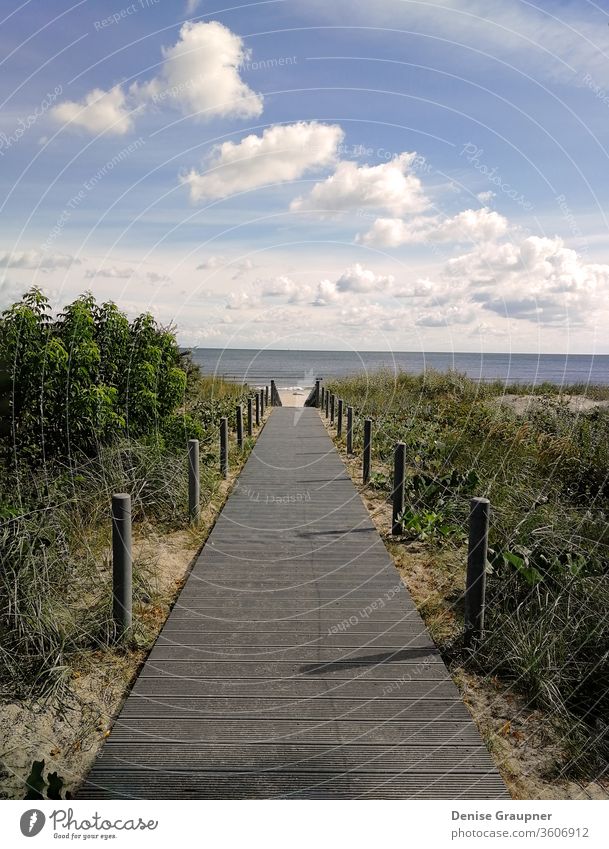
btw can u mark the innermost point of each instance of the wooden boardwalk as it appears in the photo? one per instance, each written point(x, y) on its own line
point(294, 663)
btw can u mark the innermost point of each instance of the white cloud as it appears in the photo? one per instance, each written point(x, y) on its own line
point(360, 279)
point(485, 197)
point(100, 111)
point(111, 271)
point(242, 268)
point(281, 154)
point(455, 314)
point(326, 293)
point(470, 225)
point(538, 280)
point(212, 262)
point(36, 260)
point(389, 186)
point(199, 76)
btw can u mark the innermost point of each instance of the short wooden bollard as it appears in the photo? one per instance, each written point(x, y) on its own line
point(475, 587)
point(332, 407)
point(349, 430)
point(194, 508)
point(274, 395)
point(323, 397)
point(250, 415)
point(266, 396)
point(339, 418)
point(367, 449)
point(239, 426)
point(224, 447)
point(327, 403)
point(262, 402)
point(399, 470)
point(122, 563)
point(257, 409)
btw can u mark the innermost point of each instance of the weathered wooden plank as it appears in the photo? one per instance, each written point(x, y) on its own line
point(199, 784)
point(294, 663)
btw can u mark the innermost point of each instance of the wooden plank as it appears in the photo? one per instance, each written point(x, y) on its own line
point(294, 663)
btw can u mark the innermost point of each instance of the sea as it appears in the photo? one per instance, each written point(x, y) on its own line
point(292, 369)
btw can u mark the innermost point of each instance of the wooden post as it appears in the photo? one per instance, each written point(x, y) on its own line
point(332, 406)
point(239, 426)
point(317, 393)
point(399, 469)
point(224, 447)
point(367, 449)
point(257, 409)
point(194, 508)
point(475, 587)
point(262, 402)
point(122, 562)
point(339, 420)
point(349, 430)
point(327, 403)
point(323, 397)
point(266, 396)
point(250, 413)
point(273, 394)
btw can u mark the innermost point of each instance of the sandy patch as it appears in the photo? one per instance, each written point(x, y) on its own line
point(292, 399)
point(522, 404)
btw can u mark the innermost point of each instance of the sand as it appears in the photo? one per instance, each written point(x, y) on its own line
point(289, 399)
point(522, 404)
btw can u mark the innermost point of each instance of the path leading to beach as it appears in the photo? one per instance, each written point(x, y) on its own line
point(294, 663)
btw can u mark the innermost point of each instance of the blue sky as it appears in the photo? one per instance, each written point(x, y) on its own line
point(296, 173)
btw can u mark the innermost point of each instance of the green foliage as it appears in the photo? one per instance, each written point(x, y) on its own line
point(85, 378)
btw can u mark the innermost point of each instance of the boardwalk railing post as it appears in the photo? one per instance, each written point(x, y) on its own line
point(194, 509)
point(274, 397)
point(332, 406)
point(122, 562)
point(250, 423)
point(399, 465)
point(349, 430)
point(266, 396)
point(257, 409)
point(475, 588)
point(339, 421)
point(327, 403)
point(323, 397)
point(262, 402)
point(367, 449)
point(239, 426)
point(224, 447)
point(317, 393)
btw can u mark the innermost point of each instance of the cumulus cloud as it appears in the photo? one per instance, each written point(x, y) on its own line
point(212, 262)
point(99, 111)
point(282, 153)
point(111, 272)
point(199, 76)
point(36, 260)
point(537, 279)
point(470, 225)
point(360, 279)
point(390, 186)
